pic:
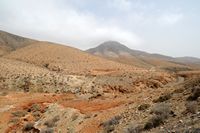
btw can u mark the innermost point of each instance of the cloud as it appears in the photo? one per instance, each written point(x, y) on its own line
point(123, 5)
point(170, 19)
point(59, 21)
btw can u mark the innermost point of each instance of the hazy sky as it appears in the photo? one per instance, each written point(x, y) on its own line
point(170, 27)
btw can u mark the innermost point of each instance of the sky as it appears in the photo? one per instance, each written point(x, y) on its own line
point(169, 27)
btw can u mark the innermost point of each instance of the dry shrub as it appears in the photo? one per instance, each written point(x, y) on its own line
point(109, 125)
point(162, 98)
point(160, 112)
point(35, 107)
point(47, 130)
point(28, 126)
point(143, 107)
point(191, 107)
point(154, 121)
point(19, 113)
point(195, 94)
point(161, 109)
point(52, 122)
point(134, 128)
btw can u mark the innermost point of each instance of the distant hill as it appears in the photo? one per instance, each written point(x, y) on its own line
point(191, 60)
point(116, 51)
point(64, 59)
point(10, 42)
point(54, 57)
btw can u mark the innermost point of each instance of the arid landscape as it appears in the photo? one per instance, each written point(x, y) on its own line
point(53, 88)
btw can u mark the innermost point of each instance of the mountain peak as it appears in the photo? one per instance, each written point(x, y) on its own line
point(112, 44)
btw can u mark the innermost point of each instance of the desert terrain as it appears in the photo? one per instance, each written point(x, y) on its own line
point(53, 88)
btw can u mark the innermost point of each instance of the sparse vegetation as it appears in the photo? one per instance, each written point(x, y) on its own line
point(143, 107)
point(35, 107)
point(28, 126)
point(160, 112)
point(36, 115)
point(191, 107)
point(161, 109)
point(195, 94)
point(56, 88)
point(177, 69)
point(154, 121)
point(134, 128)
point(162, 98)
point(52, 122)
point(109, 125)
point(47, 130)
point(20, 113)
point(14, 120)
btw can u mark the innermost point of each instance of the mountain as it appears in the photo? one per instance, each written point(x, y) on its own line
point(68, 90)
point(10, 42)
point(54, 57)
point(116, 51)
point(64, 59)
point(191, 60)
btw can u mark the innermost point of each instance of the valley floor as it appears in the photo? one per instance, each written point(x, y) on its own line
point(114, 111)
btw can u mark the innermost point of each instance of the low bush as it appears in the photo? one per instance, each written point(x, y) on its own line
point(162, 98)
point(19, 113)
point(52, 122)
point(109, 125)
point(191, 107)
point(134, 128)
point(143, 107)
point(47, 130)
point(195, 94)
point(35, 107)
point(14, 120)
point(28, 126)
point(112, 121)
point(154, 121)
point(36, 115)
point(160, 113)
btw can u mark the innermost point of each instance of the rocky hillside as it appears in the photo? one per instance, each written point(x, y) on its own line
point(65, 59)
point(10, 42)
point(115, 51)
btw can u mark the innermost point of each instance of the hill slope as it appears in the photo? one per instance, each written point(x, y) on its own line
point(119, 52)
point(10, 42)
point(64, 59)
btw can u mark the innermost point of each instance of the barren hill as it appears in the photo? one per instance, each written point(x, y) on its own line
point(10, 42)
point(65, 59)
point(116, 51)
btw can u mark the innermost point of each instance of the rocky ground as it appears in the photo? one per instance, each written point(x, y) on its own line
point(118, 102)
